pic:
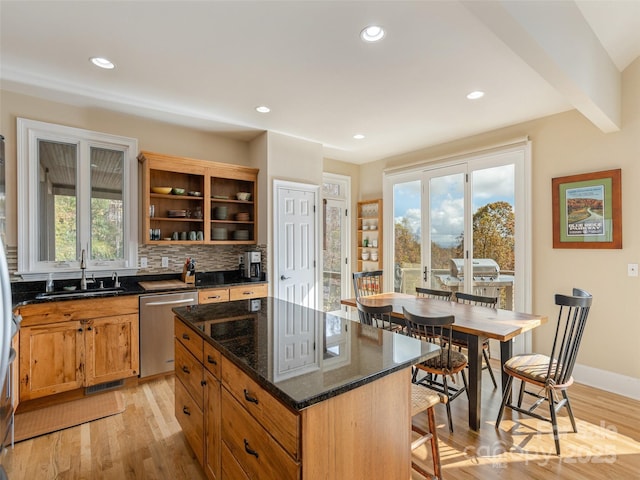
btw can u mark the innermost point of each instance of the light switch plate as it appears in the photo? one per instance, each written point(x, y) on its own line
point(143, 262)
point(632, 269)
point(165, 262)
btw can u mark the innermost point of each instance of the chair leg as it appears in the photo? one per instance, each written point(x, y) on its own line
point(568, 405)
point(464, 382)
point(554, 420)
point(486, 359)
point(448, 404)
point(435, 448)
point(521, 394)
point(505, 399)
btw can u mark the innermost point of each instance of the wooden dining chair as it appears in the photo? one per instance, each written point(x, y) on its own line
point(435, 294)
point(551, 374)
point(448, 363)
point(424, 400)
point(367, 283)
point(378, 316)
point(482, 301)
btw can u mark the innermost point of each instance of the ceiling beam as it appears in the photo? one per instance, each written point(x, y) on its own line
point(555, 40)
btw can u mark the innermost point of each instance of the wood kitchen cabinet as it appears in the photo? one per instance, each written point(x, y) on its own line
point(72, 344)
point(210, 203)
point(238, 292)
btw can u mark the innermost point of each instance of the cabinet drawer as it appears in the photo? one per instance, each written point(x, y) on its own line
point(189, 338)
point(277, 419)
point(213, 295)
point(83, 309)
point(248, 291)
point(252, 446)
point(212, 360)
point(230, 466)
point(191, 420)
point(190, 372)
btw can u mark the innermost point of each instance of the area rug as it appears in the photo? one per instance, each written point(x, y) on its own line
point(69, 414)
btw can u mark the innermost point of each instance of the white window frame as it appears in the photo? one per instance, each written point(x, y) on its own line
point(28, 134)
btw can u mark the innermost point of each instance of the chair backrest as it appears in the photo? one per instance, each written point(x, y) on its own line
point(431, 293)
point(572, 318)
point(367, 283)
point(433, 330)
point(378, 316)
point(479, 300)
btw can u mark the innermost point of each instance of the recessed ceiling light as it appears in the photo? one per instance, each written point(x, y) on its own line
point(102, 62)
point(372, 33)
point(475, 95)
point(358, 136)
point(263, 109)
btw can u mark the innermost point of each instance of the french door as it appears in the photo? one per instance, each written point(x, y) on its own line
point(461, 226)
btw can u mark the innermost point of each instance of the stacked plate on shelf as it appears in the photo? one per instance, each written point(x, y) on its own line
point(241, 235)
point(220, 213)
point(218, 233)
point(242, 217)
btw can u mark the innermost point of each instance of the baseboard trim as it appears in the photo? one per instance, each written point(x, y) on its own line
point(609, 381)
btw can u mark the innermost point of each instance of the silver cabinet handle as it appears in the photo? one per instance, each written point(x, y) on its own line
point(172, 302)
point(282, 277)
point(213, 297)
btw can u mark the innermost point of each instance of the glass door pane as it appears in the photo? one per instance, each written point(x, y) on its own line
point(494, 225)
point(407, 236)
point(446, 207)
point(332, 248)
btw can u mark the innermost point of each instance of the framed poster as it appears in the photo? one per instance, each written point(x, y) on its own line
point(587, 210)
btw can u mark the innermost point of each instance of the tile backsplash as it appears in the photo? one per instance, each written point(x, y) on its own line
point(208, 257)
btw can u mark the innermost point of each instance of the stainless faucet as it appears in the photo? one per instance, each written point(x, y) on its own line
point(116, 282)
point(83, 267)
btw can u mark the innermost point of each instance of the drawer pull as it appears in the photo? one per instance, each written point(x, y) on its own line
point(211, 360)
point(247, 293)
point(249, 398)
point(186, 337)
point(185, 369)
point(186, 411)
point(203, 382)
point(249, 450)
point(213, 297)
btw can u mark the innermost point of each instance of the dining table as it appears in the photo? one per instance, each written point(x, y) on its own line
point(475, 323)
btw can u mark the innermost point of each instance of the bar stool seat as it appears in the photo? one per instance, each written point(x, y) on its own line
point(424, 399)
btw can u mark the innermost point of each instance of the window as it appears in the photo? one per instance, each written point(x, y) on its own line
point(77, 191)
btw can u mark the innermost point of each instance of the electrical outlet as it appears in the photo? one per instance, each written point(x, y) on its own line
point(632, 269)
point(143, 262)
point(165, 262)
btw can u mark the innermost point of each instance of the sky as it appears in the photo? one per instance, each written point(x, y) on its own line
point(447, 200)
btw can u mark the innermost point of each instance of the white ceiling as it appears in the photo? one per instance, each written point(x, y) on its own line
point(208, 64)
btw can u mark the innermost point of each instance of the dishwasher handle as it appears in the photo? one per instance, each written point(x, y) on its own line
point(170, 302)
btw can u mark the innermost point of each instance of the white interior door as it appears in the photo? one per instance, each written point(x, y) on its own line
point(295, 242)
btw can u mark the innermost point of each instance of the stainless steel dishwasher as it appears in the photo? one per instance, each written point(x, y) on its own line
point(156, 330)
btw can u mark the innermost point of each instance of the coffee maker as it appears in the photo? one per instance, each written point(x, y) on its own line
point(251, 268)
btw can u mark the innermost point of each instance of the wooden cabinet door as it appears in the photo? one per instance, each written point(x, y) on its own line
point(213, 436)
point(111, 348)
point(51, 359)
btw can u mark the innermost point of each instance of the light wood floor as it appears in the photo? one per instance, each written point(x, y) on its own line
point(145, 442)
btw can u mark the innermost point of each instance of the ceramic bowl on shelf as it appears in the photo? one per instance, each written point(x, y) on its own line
point(178, 191)
point(365, 227)
point(244, 196)
point(194, 194)
point(365, 256)
point(164, 190)
point(374, 256)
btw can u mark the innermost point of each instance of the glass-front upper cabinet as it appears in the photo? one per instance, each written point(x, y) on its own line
point(79, 189)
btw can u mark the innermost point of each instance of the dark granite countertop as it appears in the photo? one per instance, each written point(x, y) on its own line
point(29, 292)
point(302, 356)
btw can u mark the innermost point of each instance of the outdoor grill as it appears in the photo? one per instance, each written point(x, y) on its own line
point(483, 269)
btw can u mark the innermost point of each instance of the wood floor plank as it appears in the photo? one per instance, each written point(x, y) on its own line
point(146, 442)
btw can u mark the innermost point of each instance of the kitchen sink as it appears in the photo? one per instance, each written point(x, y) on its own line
point(94, 292)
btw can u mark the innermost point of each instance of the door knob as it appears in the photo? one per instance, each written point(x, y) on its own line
point(282, 277)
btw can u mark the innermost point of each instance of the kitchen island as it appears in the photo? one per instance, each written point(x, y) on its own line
point(269, 389)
